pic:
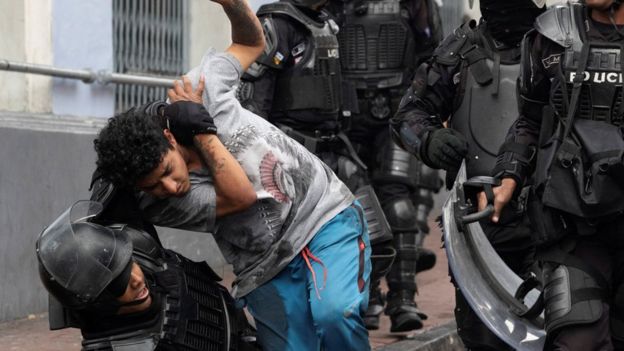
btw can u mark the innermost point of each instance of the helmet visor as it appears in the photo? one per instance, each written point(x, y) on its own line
point(79, 254)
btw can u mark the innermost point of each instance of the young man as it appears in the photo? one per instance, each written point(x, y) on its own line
point(568, 140)
point(296, 85)
point(300, 251)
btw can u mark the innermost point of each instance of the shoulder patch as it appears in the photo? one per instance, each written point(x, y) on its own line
point(553, 59)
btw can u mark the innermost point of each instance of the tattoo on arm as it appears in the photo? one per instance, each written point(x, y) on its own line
point(244, 31)
point(206, 150)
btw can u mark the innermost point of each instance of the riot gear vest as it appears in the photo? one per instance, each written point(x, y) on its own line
point(488, 105)
point(314, 81)
point(376, 44)
point(189, 310)
point(579, 165)
point(600, 97)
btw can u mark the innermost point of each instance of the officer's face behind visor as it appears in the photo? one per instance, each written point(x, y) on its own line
point(135, 297)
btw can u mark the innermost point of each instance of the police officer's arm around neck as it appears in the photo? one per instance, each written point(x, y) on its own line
point(247, 36)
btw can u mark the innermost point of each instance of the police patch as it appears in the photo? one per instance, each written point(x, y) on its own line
point(277, 59)
point(551, 60)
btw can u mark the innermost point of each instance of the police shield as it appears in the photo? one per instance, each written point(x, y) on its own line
point(487, 283)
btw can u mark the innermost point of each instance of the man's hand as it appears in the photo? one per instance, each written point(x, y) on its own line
point(446, 149)
point(187, 119)
point(502, 196)
point(185, 92)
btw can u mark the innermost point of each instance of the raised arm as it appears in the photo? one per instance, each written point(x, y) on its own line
point(247, 38)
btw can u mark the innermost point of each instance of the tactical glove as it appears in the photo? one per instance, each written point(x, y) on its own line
point(186, 119)
point(446, 148)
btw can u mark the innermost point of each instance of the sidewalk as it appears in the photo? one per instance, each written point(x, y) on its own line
point(436, 298)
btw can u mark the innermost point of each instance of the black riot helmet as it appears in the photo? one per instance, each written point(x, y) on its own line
point(509, 20)
point(79, 261)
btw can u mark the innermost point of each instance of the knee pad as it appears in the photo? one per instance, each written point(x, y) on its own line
point(401, 215)
point(423, 199)
point(378, 228)
point(395, 165)
point(571, 297)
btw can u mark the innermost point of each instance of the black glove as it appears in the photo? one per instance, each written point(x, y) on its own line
point(186, 119)
point(446, 148)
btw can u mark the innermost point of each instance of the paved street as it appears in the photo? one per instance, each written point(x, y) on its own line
point(436, 299)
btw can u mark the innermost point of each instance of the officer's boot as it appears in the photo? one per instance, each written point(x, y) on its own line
point(401, 307)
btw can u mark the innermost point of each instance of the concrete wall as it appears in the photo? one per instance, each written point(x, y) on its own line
point(46, 166)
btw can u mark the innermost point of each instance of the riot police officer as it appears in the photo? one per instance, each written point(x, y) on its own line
point(381, 43)
point(568, 138)
point(470, 84)
point(119, 286)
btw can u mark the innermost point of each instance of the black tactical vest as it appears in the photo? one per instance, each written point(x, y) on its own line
point(600, 98)
point(376, 44)
point(580, 168)
point(313, 83)
point(488, 106)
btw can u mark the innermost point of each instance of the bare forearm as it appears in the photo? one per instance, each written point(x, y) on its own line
point(246, 29)
point(234, 190)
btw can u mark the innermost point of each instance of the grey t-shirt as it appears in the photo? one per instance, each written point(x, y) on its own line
point(297, 193)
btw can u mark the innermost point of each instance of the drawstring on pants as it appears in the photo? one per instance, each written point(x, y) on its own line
point(307, 256)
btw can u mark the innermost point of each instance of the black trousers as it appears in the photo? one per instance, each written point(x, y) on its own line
point(604, 251)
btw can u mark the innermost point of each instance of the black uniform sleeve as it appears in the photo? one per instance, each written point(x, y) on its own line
point(539, 61)
point(429, 101)
point(258, 83)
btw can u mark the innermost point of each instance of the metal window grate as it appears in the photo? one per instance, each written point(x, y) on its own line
point(149, 37)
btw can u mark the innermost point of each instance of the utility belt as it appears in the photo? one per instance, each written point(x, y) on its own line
point(550, 225)
point(324, 142)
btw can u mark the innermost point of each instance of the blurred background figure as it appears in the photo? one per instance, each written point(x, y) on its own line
point(381, 44)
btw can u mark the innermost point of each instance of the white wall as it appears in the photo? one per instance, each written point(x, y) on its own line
point(26, 36)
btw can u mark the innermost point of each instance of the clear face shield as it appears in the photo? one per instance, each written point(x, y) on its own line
point(78, 254)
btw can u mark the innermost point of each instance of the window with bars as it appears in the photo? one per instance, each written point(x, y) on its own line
point(149, 38)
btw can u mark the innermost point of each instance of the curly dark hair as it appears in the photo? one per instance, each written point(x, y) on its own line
point(130, 146)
